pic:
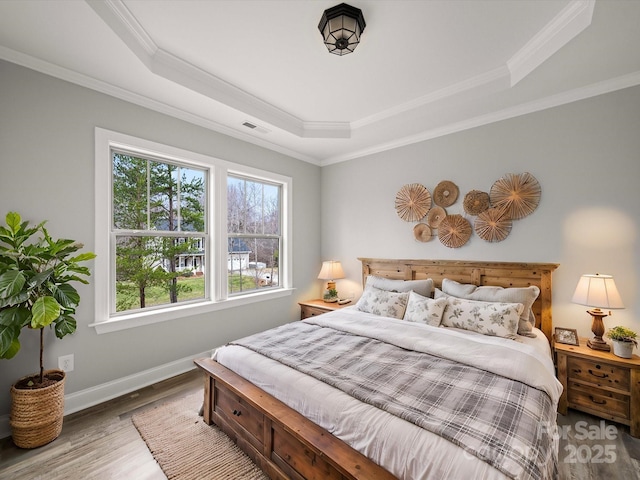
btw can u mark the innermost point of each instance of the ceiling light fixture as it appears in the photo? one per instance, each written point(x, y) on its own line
point(341, 27)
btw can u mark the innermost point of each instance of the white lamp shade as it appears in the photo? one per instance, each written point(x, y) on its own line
point(597, 291)
point(331, 270)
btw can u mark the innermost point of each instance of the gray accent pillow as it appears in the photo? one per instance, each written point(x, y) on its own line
point(524, 295)
point(422, 287)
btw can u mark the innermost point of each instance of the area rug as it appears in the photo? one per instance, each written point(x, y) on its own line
point(188, 449)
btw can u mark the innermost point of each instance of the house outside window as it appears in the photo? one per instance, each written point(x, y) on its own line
point(159, 218)
point(179, 233)
point(253, 230)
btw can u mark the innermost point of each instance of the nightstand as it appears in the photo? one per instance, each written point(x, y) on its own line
point(312, 308)
point(599, 383)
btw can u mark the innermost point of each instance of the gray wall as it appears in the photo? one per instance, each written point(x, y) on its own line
point(47, 173)
point(586, 156)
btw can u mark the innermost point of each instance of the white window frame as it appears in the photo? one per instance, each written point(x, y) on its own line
point(265, 181)
point(216, 254)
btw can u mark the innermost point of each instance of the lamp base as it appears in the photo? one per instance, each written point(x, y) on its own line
point(597, 327)
point(598, 344)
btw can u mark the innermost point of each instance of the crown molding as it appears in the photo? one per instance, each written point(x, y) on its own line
point(593, 90)
point(160, 62)
point(600, 88)
point(565, 26)
point(100, 86)
point(568, 24)
point(126, 26)
point(572, 20)
point(492, 80)
point(327, 130)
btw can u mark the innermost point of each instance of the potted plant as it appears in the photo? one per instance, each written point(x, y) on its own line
point(36, 291)
point(624, 339)
point(331, 296)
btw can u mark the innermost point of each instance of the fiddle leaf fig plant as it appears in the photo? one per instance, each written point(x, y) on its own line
point(36, 276)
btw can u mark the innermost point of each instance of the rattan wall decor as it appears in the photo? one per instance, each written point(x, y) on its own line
point(422, 232)
point(512, 197)
point(476, 202)
point(445, 194)
point(454, 231)
point(435, 216)
point(519, 193)
point(413, 201)
point(493, 225)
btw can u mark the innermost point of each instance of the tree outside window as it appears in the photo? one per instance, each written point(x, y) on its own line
point(167, 245)
point(254, 234)
point(159, 220)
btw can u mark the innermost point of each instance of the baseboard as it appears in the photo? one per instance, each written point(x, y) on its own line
point(74, 402)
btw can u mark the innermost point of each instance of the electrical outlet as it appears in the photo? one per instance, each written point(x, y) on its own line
point(66, 363)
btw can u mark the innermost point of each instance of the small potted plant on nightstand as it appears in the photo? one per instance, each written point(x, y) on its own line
point(624, 339)
point(331, 296)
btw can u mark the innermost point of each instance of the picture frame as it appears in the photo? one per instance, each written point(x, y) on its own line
point(566, 335)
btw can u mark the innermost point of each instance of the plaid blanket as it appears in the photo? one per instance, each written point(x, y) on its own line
point(490, 416)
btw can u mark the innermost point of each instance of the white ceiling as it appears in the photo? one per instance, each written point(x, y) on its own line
point(423, 68)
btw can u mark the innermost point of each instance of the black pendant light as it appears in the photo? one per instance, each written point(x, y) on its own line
point(341, 27)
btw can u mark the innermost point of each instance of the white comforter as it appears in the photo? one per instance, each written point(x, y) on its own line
point(406, 450)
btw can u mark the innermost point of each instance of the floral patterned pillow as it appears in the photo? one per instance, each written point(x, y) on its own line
point(525, 295)
point(488, 318)
point(382, 302)
point(424, 309)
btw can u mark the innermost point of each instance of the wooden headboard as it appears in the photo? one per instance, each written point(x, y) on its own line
point(502, 274)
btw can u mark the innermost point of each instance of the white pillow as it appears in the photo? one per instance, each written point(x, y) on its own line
point(525, 295)
point(424, 309)
point(423, 287)
point(382, 302)
point(489, 318)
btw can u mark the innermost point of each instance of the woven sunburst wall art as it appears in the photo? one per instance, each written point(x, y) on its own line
point(518, 194)
point(413, 201)
point(512, 197)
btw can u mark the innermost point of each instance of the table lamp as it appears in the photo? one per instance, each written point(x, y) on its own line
point(597, 291)
point(331, 270)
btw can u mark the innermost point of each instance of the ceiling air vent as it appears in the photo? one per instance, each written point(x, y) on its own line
point(255, 127)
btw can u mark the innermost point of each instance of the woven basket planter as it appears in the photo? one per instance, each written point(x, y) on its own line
point(36, 414)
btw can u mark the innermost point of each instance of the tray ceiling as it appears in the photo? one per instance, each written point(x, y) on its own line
point(423, 68)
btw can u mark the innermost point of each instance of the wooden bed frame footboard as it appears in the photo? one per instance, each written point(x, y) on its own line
point(285, 444)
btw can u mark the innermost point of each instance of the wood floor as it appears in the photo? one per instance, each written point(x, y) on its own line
point(101, 443)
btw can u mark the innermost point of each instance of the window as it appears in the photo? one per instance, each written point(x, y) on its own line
point(159, 219)
point(171, 243)
point(253, 232)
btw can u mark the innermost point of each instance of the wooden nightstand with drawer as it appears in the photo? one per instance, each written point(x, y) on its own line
point(312, 308)
point(599, 383)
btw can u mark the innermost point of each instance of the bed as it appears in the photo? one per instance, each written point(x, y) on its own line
point(411, 401)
